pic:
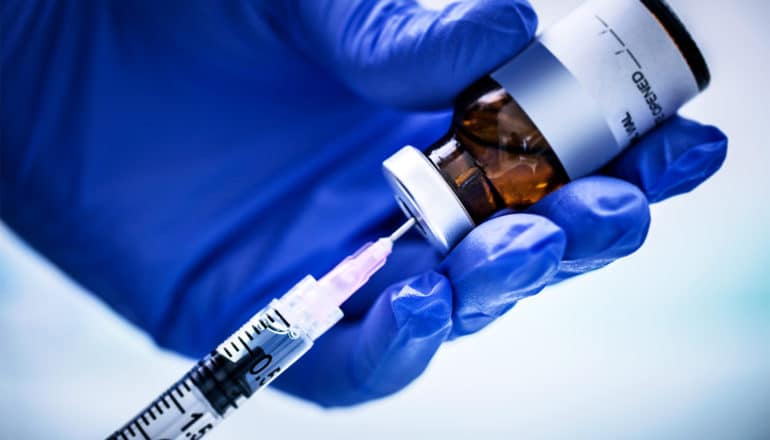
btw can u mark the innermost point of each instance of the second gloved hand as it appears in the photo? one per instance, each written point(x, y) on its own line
point(188, 161)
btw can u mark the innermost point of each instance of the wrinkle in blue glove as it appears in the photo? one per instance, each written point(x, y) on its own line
point(397, 53)
point(189, 161)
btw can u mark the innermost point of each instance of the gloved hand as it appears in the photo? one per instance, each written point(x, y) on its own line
point(187, 161)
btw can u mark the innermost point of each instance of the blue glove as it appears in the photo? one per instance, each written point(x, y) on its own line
point(188, 161)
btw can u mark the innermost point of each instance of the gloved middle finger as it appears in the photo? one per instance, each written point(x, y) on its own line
point(501, 261)
point(604, 219)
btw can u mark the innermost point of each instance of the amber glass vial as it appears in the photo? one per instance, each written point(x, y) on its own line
point(494, 156)
point(581, 93)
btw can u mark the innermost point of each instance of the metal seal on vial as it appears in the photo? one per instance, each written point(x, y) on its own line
point(425, 196)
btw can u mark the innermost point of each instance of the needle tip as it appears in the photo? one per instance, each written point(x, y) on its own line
point(398, 233)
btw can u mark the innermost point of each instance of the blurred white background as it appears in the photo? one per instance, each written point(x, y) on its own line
point(673, 342)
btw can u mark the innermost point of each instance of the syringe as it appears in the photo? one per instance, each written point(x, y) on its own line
point(261, 350)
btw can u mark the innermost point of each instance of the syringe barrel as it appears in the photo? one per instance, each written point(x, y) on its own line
point(251, 358)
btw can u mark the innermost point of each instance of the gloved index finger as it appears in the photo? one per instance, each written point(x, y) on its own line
point(396, 52)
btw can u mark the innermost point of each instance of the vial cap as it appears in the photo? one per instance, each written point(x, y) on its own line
point(424, 195)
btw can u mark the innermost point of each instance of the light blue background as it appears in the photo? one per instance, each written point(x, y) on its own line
point(673, 342)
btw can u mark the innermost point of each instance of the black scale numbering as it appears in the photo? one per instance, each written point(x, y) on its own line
point(238, 368)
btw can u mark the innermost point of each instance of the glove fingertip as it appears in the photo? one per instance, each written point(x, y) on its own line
point(692, 166)
point(673, 159)
point(514, 17)
point(401, 333)
point(529, 18)
point(614, 211)
point(502, 261)
point(525, 238)
point(692, 169)
point(482, 35)
point(423, 308)
point(418, 59)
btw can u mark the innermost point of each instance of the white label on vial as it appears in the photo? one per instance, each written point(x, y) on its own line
point(623, 57)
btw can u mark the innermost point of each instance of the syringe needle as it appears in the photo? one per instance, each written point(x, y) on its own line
point(354, 271)
point(398, 233)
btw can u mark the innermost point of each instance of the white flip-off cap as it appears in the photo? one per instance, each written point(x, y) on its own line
point(424, 195)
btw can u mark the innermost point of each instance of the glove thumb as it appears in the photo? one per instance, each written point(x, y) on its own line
point(397, 53)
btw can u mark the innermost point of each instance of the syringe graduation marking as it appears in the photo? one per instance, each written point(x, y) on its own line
point(178, 406)
point(215, 384)
point(245, 345)
point(169, 420)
